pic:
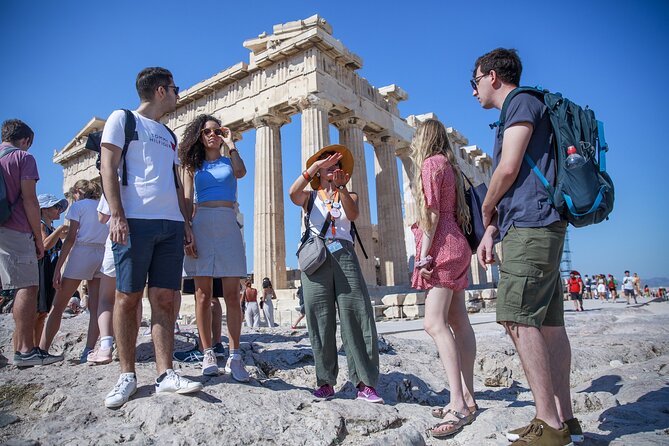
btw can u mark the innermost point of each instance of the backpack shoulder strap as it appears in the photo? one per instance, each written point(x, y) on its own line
point(537, 91)
point(354, 230)
point(130, 127)
point(174, 166)
point(7, 151)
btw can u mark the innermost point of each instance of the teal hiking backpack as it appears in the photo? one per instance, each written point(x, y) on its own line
point(5, 205)
point(584, 195)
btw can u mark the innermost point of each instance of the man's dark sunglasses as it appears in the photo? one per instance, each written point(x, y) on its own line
point(475, 82)
point(173, 87)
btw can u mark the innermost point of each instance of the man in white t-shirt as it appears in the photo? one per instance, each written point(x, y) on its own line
point(628, 287)
point(148, 229)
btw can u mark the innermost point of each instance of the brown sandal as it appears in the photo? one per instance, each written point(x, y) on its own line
point(455, 425)
point(440, 412)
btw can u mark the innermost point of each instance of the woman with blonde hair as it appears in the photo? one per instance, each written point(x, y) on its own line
point(83, 249)
point(441, 266)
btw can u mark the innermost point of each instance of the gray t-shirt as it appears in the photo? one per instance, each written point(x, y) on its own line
point(526, 203)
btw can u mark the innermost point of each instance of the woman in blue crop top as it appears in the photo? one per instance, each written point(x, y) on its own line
point(210, 182)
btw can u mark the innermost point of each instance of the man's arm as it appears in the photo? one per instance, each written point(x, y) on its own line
point(516, 139)
point(187, 213)
point(110, 158)
point(31, 208)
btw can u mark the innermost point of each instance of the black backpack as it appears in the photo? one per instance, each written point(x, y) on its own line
point(583, 196)
point(94, 143)
point(5, 205)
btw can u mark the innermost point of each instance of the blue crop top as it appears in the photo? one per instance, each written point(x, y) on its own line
point(215, 181)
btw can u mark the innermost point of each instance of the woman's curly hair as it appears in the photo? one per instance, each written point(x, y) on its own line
point(191, 149)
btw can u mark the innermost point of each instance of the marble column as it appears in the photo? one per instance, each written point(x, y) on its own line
point(315, 125)
point(269, 240)
point(410, 216)
point(392, 250)
point(351, 136)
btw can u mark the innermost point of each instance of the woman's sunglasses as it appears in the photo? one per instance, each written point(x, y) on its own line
point(218, 132)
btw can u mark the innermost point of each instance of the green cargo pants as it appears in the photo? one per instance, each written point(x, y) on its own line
point(339, 281)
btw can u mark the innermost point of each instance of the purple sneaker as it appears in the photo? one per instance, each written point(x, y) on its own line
point(325, 392)
point(369, 394)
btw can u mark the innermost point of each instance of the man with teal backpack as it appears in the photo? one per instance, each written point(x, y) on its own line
point(525, 207)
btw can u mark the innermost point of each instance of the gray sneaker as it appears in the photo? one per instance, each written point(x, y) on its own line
point(48, 358)
point(29, 359)
point(122, 391)
point(173, 383)
point(209, 365)
point(236, 368)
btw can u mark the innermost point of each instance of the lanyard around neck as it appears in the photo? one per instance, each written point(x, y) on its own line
point(328, 204)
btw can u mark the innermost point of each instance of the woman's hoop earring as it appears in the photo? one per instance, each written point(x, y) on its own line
point(318, 174)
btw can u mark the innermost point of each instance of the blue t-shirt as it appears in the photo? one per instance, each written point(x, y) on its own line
point(526, 204)
point(215, 181)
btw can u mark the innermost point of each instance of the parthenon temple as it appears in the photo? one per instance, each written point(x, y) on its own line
point(302, 69)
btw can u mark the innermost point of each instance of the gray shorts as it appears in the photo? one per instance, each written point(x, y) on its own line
point(18, 260)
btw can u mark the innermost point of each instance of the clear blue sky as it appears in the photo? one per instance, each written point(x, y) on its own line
point(65, 62)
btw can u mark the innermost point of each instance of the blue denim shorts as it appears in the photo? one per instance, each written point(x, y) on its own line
point(154, 248)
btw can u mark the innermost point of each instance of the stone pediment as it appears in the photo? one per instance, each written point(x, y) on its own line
point(74, 148)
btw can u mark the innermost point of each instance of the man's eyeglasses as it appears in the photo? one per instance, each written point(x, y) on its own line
point(173, 87)
point(475, 82)
point(218, 132)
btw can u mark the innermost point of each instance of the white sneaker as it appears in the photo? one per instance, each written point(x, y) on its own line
point(209, 364)
point(122, 391)
point(173, 383)
point(236, 368)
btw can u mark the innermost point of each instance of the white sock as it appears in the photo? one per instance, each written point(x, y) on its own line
point(106, 341)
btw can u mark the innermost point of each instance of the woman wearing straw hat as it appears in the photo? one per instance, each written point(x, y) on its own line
point(338, 281)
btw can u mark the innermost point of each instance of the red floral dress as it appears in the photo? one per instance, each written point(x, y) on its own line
point(450, 250)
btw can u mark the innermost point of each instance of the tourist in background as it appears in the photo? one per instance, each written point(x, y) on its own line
point(442, 263)
point(300, 307)
point(601, 287)
point(575, 287)
point(612, 285)
point(268, 294)
point(337, 284)
point(628, 288)
point(252, 312)
point(83, 250)
point(218, 250)
point(637, 284)
point(50, 209)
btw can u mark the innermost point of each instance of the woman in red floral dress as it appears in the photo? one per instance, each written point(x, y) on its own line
point(442, 262)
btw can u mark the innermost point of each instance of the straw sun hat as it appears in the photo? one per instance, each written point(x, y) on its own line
point(346, 161)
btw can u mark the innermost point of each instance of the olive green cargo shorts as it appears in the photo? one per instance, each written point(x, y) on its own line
point(530, 287)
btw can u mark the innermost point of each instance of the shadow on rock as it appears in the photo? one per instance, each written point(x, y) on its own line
point(606, 383)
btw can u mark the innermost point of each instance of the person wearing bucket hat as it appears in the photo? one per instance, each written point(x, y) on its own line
point(337, 284)
point(51, 207)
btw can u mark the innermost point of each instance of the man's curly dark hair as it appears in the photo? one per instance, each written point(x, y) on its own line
point(505, 62)
point(191, 149)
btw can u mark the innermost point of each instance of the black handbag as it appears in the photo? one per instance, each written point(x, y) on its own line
point(474, 197)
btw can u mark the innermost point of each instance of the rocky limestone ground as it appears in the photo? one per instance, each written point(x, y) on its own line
point(619, 378)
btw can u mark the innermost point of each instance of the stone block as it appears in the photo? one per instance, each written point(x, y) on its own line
point(393, 299)
point(472, 295)
point(394, 312)
point(474, 306)
point(414, 299)
point(378, 310)
point(489, 294)
point(414, 310)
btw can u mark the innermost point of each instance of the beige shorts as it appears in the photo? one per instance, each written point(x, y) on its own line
point(18, 260)
point(108, 266)
point(84, 261)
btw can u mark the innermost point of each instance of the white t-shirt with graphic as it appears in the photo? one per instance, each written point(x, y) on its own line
point(90, 229)
point(150, 193)
point(628, 283)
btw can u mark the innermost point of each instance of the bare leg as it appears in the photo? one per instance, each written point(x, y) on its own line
point(25, 303)
point(40, 318)
point(60, 301)
point(203, 291)
point(534, 356)
point(162, 326)
point(106, 306)
point(216, 320)
point(177, 305)
point(559, 351)
point(465, 340)
point(125, 328)
point(233, 310)
point(93, 300)
point(436, 310)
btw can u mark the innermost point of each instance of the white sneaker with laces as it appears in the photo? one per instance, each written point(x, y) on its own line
point(173, 383)
point(209, 364)
point(236, 368)
point(122, 391)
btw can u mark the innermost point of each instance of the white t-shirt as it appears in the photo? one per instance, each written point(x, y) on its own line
point(150, 193)
point(90, 229)
point(628, 283)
